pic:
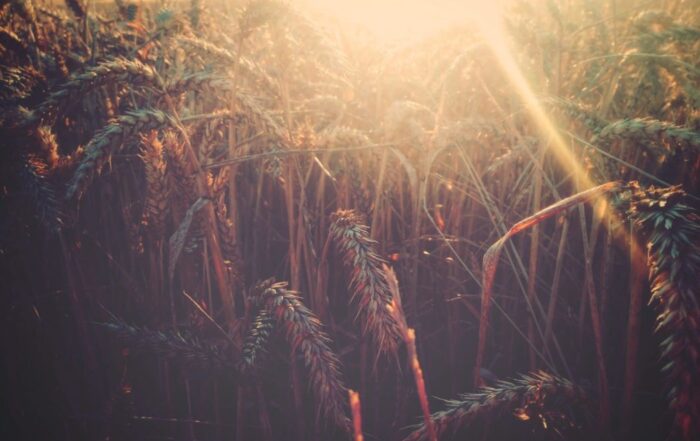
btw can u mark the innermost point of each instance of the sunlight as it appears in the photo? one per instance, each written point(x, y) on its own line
point(492, 29)
point(397, 22)
point(402, 22)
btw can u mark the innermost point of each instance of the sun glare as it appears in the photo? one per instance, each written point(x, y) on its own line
point(397, 22)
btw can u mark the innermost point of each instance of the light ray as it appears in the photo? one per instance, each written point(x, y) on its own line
point(493, 31)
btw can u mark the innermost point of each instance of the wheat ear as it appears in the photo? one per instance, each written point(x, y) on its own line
point(672, 228)
point(302, 329)
point(109, 140)
point(370, 290)
point(256, 341)
point(117, 71)
point(524, 396)
point(179, 346)
point(156, 204)
point(34, 174)
point(649, 131)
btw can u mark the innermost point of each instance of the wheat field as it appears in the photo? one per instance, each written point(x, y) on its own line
point(253, 220)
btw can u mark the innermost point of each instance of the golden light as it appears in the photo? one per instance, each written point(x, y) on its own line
point(396, 22)
point(492, 28)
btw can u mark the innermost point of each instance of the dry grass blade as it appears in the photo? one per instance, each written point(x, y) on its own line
point(493, 254)
point(179, 238)
point(409, 337)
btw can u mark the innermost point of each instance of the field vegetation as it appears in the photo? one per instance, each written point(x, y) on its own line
point(241, 220)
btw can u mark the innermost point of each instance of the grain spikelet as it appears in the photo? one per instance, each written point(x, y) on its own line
point(48, 145)
point(672, 227)
point(252, 71)
point(109, 140)
point(156, 203)
point(179, 346)
point(525, 396)
point(257, 339)
point(302, 329)
point(247, 105)
point(367, 280)
point(649, 131)
point(34, 174)
point(228, 242)
point(182, 181)
point(117, 71)
point(17, 83)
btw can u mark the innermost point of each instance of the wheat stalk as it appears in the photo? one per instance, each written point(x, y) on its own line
point(355, 407)
point(195, 13)
point(409, 337)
